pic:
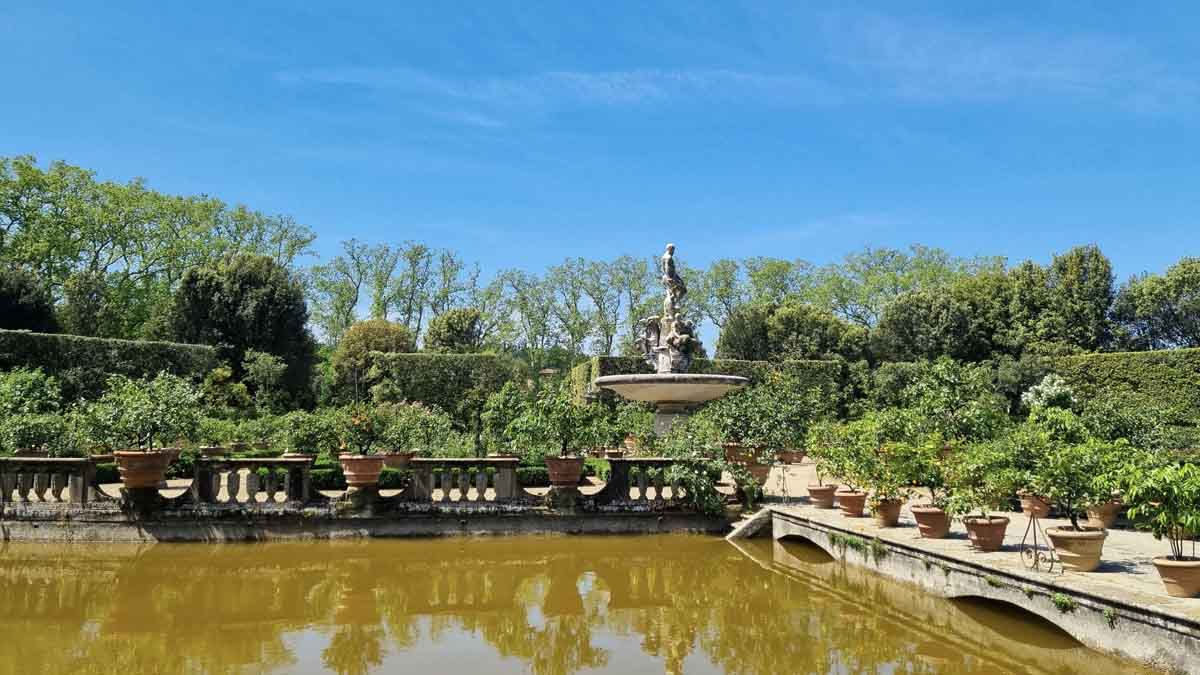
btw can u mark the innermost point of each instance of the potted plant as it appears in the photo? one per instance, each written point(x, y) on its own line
point(214, 432)
point(980, 478)
point(306, 434)
point(1066, 475)
point(360, 432)
point(554, 420)
point(740, 420)
point(414, 430)
point(820, 442)
point(928, 459)
point(850, 455)
point(1166, 501)
point(139, 415)
point(888, 476)
point(31, 435)
point(1112, 480)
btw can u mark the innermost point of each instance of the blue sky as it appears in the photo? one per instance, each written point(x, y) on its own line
point(523, 132)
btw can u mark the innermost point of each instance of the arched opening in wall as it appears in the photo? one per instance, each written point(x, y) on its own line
point(1012, 622)
point(803, 550)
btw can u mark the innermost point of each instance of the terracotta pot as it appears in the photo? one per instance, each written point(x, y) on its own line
point(614, 453)
point(1078, 550)
point(1104, 515)
point(852, 503)
point(564, 471)
point(31, 452)
point(361, 470)
point(213, 451)
point(932, 522)
point(237, 447)
point(986, 534)
point(1181, 577)
point(790, 456)
point(821, 496)
point(398, 460)
point(737, 453)
point(142, 469)
point(1034, 506)
point(887, 512)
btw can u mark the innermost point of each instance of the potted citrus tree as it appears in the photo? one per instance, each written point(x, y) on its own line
point(1166, 501)
point(140, 416)
point(1066, 476)
point(555, 421)
point(980, 478)
point(820, 443)
point(888, 476)
point(414, 430)
point(741, 423)
point(929, 458)
point(360, 434)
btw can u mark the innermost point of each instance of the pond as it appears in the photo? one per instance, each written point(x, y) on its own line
point(651, 604)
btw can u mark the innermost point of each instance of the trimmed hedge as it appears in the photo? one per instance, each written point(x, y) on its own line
point(1170, 378)
point(444, 380)
point(825, 375)
point(82, 364)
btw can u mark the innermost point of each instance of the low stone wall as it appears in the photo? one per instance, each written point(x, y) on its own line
point(1137, 631)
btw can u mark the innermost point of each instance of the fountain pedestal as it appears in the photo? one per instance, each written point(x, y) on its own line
point(674, 395)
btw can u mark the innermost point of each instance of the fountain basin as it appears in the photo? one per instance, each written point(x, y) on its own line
point(681, 389)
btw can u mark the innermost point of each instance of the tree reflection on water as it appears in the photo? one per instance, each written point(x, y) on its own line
point(522, 604)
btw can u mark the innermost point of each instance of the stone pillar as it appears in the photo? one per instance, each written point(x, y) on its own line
point(667, 413)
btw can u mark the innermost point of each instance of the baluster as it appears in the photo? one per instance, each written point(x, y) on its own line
point(41, 485)
point(77, 488)
point(676, 491)
point(58, 483)
point(447, 477)
point(643, 482)
point(272, 485)
point(24, 484)
point(253, 483)
point(481, 483)
point(464, 484)
point(8, 482)
point(658, 485)
point(233, 483)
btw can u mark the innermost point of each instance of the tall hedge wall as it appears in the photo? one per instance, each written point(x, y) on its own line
point(826, 375)
point(82, 363)
point(441, 379)
point(1168, 377)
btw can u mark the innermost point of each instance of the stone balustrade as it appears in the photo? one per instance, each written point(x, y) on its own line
point(640, 481)
point(65, 480)
point(465, 479)
point(237, 481)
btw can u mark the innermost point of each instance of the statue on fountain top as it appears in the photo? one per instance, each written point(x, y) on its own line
point(669, 341)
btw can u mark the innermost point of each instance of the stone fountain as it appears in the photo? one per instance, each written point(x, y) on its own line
point(668, 343)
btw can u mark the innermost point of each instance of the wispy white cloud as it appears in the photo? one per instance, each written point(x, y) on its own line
point(938, 61)
point(565, 87)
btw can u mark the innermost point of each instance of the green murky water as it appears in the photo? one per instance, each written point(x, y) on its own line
point(674, 604)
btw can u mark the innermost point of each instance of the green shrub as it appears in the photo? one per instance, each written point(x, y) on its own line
point(314, 433)
point(143, 413)
point(457, 383)
point(28, 392)
point(1168, 378)
point(81, 364)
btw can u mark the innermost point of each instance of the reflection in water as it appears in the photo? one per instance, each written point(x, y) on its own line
point(669, 604)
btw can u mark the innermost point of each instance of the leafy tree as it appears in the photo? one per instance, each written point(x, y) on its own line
point(265, 372)
point(721, 291)
point(336, 287)
point(599, 284)
point(773, 281)
point(1160, 312)
point(1080, 284)
point(350, 359)
point(798, 330)
point(247, 303)
point(745, 335)
point(923, 325)
point(865, 282)
point(25, 303)
point(456, 331)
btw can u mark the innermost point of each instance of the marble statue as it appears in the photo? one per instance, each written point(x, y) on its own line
point(669, 341)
